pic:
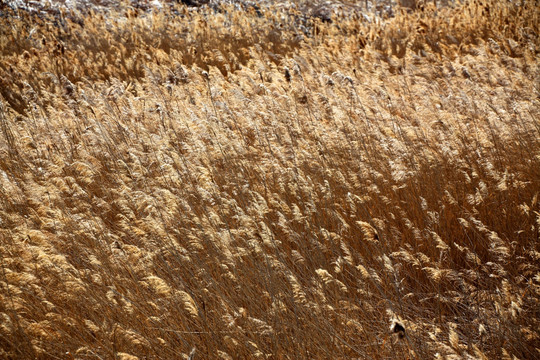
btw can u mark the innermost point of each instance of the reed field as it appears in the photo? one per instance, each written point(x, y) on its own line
point(260, 182)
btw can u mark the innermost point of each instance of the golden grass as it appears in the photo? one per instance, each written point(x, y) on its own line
point(227, 183)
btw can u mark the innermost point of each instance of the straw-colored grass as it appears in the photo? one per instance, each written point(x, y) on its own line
point(245, 184)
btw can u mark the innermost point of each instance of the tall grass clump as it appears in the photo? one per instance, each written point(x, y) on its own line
point(238, 182)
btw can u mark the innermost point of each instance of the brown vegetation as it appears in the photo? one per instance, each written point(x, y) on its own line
point(253, 187)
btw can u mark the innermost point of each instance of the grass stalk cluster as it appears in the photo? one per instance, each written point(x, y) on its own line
point(255, 184)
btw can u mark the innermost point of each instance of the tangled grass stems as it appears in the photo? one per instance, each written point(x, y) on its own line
point(212, 180)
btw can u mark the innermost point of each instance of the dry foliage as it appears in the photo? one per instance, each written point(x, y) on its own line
point(254, 184)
